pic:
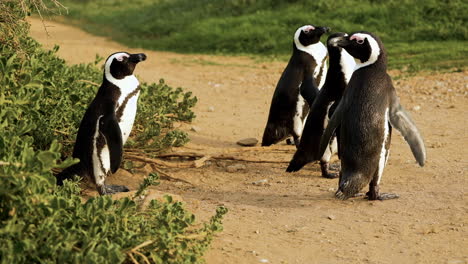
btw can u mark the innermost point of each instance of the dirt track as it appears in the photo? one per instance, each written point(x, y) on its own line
point(293, 218)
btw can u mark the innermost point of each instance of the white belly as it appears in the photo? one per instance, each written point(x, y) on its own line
point(101, 158)
point(383, 153)
point(297, 119)
point(128, 117)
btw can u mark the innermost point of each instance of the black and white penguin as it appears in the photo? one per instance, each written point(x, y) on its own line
point(107, 123)
point(297, 87)
point(365, 116)
point(341, 67)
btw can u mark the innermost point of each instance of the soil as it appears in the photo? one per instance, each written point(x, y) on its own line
point(294, 218)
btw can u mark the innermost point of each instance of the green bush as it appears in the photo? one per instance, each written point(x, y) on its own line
point(42, 101)
point(265, 27)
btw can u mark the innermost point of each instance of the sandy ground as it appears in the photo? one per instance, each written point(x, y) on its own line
point(294, 218)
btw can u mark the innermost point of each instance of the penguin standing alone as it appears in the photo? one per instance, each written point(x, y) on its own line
point(107, 123)
point(365, 117)
point(297, 87)
point(341, 67)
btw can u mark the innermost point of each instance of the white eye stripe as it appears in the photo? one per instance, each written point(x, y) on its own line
point(374, 49)
point(122, 57)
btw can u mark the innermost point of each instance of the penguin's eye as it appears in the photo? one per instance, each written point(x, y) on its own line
point(360, 41)
point(121, 58)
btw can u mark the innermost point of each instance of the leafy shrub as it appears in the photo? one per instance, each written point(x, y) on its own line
point(42, 101)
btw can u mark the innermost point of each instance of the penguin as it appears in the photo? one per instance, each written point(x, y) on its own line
point(364, 118)
point(107, 123)
point(297, 86)
point(341, 67)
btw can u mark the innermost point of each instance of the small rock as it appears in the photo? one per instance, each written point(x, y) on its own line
point(211, 109)
point(260, 182)
point(247, 142)
point(235, 167)
point(195, 129)
point(264, 261)
point(257, 232)
point(417, 108)
point(331, 217)
point(456, 261)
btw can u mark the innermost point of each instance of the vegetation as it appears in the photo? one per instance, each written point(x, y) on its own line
point(42, 101)
point(422, 34)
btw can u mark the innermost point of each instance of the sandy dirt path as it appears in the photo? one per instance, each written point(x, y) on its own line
point(293, 218)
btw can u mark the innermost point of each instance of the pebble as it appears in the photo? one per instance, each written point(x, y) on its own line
point(211, 109)
point(417, 108)
point(260, 182)
point(247, 142)
point(331, 217)
point(235, 167)
point(195, 129)
point(264, 261)
point(456, 261)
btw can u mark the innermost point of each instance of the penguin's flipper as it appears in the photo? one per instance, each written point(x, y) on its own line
point(313, 130)
point(110, 128)
point(402, 121)
point(333, 124)
point(309, 90)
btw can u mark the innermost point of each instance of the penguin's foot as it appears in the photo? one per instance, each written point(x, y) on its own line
point(387, 196)
point(335, 167)
point(111, 189)
point(381, 196)
point(324, 166)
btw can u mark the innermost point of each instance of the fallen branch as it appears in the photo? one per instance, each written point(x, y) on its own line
point(164, 176)
point(160, 162)
point(199, 162)
point(215, 157)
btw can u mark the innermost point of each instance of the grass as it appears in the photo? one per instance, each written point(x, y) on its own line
point(418, 34)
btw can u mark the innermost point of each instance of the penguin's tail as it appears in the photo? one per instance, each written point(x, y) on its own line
point(299, 160)
point(274, 134)
point(68, 173)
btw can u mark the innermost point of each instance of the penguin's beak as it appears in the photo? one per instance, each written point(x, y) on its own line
point(339, 42)
point(325, 29)
point(135, 58)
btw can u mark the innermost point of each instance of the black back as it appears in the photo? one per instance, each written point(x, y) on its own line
point(296, 78)
point(332, 91)
point(103, 105)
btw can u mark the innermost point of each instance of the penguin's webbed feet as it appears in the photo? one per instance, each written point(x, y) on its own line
point(325, 167)
point(112, 189)
point(372, 196)
point(387, 196)
point(290, 141)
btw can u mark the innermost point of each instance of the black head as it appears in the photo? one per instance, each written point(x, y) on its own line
point(365, 47)
point(308, 35)
point(122, 64)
